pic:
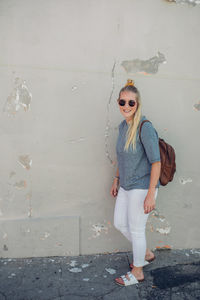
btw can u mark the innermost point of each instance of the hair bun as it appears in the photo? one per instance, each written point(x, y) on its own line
point(130, 82)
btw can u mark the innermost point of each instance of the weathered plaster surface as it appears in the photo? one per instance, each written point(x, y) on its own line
point(59, 120)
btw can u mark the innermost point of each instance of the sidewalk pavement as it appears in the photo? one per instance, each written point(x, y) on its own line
point(174, 275)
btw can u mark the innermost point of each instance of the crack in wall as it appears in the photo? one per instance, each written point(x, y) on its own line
point(149, 66)
point(26, 162)
point(29, 197)
point(107, 130)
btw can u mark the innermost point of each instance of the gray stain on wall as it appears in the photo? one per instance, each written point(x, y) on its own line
point(197, 106)
point(5, 248)
point(20, 97)
point(12, 173)
point(149, 66)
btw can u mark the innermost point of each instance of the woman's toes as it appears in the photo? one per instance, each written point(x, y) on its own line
point(119, 280)
point(150, 256)
point(131, 265)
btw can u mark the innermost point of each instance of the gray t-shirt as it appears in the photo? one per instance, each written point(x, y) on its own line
point(135, 165)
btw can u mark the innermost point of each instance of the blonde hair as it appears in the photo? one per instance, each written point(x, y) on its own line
point(133, 125)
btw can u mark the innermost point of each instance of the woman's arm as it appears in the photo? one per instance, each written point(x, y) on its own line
point(149, 202)
point(114, 188)
point(117, 173)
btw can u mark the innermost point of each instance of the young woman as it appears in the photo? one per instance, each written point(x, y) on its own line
point(138, 180)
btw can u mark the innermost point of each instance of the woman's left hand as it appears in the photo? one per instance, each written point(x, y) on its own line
point(149, 202)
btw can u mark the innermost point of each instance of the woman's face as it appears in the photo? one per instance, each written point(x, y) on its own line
point(128, 111)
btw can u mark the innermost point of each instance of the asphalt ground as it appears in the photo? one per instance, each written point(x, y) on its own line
point(174, 275)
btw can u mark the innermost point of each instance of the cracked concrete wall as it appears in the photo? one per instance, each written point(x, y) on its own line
point(62, 64)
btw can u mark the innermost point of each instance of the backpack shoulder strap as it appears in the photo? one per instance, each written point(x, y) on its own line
point(141, 128)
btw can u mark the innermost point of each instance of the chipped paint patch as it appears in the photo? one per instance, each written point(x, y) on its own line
point(110, 271)
point(75, 270)
point(74, 88)
point(86, 279)
point(164, 247)
point(20, 184)
point(5, 235)
point(81, 139)
point(98, 229)
point(149, 66)
point(20, 97)
point(190, 2)
point(46, 235)
point(25, 161)
point(165, 230)
point(184, 181)
point(59, 244)
point(158, 223)
point(28, 197)
point(30, 212)
point(197, 106)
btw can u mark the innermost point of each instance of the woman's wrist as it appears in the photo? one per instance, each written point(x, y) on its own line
point(151, 189)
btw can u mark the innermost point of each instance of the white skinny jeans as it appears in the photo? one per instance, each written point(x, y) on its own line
point(130, 219)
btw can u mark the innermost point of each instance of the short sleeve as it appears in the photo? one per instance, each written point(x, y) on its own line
point(120, 126)
point(150, 141)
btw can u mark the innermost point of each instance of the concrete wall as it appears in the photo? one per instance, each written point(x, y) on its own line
point(62, 64)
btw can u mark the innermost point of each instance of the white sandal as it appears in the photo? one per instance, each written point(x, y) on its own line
point(133, 280)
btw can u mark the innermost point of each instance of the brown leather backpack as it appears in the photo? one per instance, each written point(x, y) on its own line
point(167, 156)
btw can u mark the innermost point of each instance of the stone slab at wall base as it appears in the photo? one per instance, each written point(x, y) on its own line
point(39, 237)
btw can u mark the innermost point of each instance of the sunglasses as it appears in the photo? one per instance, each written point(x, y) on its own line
point(130, 102)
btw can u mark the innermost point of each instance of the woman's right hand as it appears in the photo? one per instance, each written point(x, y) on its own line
point(114, 188)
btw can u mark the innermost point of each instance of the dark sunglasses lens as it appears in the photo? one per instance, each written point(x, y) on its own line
point(131, 103)
point(122, 102)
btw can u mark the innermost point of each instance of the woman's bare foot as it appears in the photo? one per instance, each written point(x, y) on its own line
point(136, 271)
point(149, 255)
